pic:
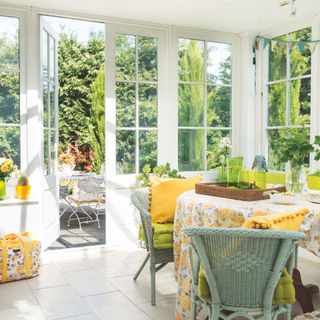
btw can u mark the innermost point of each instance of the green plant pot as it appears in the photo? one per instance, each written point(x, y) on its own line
point(3, 190)
point(313, 182)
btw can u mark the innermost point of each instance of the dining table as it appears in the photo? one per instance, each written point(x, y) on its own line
point(197, 210)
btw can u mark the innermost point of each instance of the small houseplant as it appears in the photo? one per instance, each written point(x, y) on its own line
point(296, 147)
point(6, 169)
point(23, 188)
point(314, 178)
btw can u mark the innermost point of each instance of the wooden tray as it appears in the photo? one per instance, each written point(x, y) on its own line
point(219, 189)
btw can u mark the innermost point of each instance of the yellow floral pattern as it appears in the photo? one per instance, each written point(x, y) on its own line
point(200, 210)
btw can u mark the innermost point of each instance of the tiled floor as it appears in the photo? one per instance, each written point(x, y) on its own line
point(97, 284)
point(89, 285)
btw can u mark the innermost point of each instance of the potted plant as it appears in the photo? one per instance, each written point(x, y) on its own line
point(23, 188)
point(6, 169)
point(314, 178)
point(295, 146)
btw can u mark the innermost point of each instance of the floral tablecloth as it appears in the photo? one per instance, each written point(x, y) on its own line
point(200, 210)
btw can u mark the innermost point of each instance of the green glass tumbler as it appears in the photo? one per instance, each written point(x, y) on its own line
point(234, 166)
point(244, 179)
point(3, 190)
point(260, 179)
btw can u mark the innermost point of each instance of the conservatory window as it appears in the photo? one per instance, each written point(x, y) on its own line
point(204, 94)
point(136, 102)
point(288, 92)
point(10, 88)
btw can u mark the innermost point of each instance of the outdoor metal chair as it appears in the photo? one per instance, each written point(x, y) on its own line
point(87, 201)
point(242, 268)
point(158, 257)
point(63, 195)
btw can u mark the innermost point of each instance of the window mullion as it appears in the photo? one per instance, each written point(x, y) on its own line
point(137, 105)
point(288, 83)
point(205, 106)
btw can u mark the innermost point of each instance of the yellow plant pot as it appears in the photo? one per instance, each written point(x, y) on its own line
point(313, 182)
point(23, 192)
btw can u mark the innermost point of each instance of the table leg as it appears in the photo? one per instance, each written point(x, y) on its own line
point(304, 293)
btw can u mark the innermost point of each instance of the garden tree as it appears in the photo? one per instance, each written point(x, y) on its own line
point(9, 98)
point(300, 64)
point(97, 120)
point(79, 66)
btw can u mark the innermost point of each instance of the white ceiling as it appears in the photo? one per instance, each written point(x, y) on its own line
point(234, 16)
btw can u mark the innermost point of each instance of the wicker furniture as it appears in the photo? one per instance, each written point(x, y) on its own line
point(242, 267)
point(158, 257)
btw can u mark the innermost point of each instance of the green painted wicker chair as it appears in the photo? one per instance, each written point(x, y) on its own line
point(158, 257)
point(242, 268)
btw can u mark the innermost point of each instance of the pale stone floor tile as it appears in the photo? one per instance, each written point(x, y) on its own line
point(88, 282)
point(115, 306)
point(90, 316)
point(61, 302)
point(71, 264)
point(49, 277)
point(163, 310)
point(139, 291)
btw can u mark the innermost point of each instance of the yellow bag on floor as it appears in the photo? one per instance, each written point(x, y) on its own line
point(19, 257)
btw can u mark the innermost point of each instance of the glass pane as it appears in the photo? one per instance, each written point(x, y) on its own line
point(300, 101)
point(10, 143)
point(125, 57)
point(45, 103)
point(191, 150)
point(218, 106)
point(52, 106)
point(219, 63)
point(45, 56)
point(9, 97)
point(276, 146)
point(51, 59)
point(191, 62)
point(278, 59)
point(218, 147)
point(126, 151)
point(147, 58)
point(46, 151)
point(191, 105)
point(277, 104)
point(52, 151)
point(148, 148)
point(148, 105)
point(300, 58)
point(9, 42)
point(125, 104)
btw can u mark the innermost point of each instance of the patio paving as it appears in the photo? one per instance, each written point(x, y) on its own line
point(73, 237)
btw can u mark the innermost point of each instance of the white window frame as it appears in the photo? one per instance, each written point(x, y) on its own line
point(22, 125)
point(263, 81)
point(112, 29)
point(209, 36)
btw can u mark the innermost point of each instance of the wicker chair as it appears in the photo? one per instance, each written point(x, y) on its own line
point(242, 268)
point(158, 258)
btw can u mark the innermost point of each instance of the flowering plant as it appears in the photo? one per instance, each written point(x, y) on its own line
point(67, 158)
point(6, 168)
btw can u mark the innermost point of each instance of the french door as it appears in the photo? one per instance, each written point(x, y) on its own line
point(49, 94)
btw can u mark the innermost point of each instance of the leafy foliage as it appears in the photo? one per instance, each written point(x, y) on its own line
point(162, 171)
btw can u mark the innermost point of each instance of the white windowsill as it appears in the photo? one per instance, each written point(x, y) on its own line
point(17, 202)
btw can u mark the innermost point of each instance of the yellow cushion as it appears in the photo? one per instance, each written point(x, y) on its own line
point(164, 193)
point(290, 221)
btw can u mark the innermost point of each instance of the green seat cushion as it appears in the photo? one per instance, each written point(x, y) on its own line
point(283, 294)
point(162, 235)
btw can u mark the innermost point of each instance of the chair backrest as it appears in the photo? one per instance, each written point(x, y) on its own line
point(242, 266)
point(140, 199)
point(90, 185)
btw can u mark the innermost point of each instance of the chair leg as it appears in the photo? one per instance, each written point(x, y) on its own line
point(193, 314)
point(153, 282)
point(141, 267)
point(288, 313)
